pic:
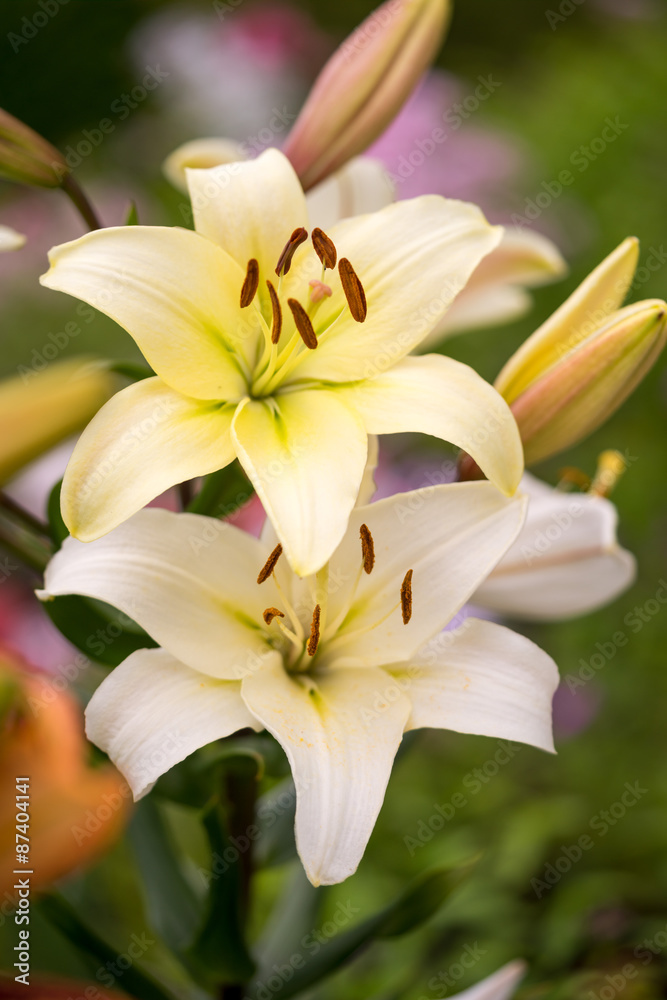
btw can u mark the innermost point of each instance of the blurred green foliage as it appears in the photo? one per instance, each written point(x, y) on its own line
point(607, 908)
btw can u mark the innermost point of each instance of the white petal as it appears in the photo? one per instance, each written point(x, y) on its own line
point(450, 536)
point(152, 712)
point(250, 209)
point(10, 239)
point(442, 397)
point(200, 154)
point(480, 309)
point(412, 259)
point(500, 986)
point(189, 581)
point(482, 678)
point(144, 440)
point(305, 454)
point(565, 562)
point(340, 733)
point(361, 186)
point(175, 293)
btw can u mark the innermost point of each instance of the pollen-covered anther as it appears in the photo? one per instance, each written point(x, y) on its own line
point(277, 323)
point(367, 548)
point(319, 292)
point(303, 324)
point(406, 597)
point(270, 614)
point(251, 283)
point(314, 637)
point(298, 237)
point(324, 248)
point(270, 564)
point(353, 289)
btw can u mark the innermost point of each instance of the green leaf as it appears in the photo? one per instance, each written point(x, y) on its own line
point(57, 527)
point(172, 906)
point(133, 370)
point(101, 632)
point(418, 903)
point(220, 951)
point(65, 919)
point(275, 818)
point(223, 492)
point(132, 216)
point(294, 916)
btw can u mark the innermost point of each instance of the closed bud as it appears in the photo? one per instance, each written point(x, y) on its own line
point(43, 405)
point(364, 85)
point(26, 157)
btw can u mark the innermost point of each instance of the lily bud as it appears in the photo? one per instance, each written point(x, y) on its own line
point(40, 408)
point(200, 154)
point(572, 397)
point(26, 157)
point(10, 239)
point(364, 85)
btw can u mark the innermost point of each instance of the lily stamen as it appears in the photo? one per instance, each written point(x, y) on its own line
point(324, 248)
point(251, 283)
point(367, 548)
point(353, 289)
point(272, 613)
point(298, 237)
point(406, 597)
point(303, 324)
point(277, 323)
point(314, 637)
point(270, 564)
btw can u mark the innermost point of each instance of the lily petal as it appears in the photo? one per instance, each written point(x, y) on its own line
point(192, 588)
point(144, 440)
point(361, 186)
point(201, 154)
point(565, 562)
point(450, 536)
point(175, 293)
point(412, 258)
point(340, 732)
point(10, 239)
point(152, 712)
point(305, 454)
point(249, 208)
point(442, 397)
point(598, 296)
point(482, 678)
point(500, 986)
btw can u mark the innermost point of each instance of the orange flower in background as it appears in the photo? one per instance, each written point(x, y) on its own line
point(76, 811)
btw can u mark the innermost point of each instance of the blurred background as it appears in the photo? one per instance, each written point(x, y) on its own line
point(553, 74)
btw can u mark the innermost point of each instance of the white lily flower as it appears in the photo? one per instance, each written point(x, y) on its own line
point(500, 986)
point(336, 666)
point(10, 239)
point(565, 562)
point(289, 374)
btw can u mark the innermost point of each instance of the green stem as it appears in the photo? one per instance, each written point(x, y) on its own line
point(80, 201)
point(30, 521)
point(20, 539)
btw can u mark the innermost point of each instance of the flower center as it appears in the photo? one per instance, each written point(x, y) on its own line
point(301, 632)
point(287, 340)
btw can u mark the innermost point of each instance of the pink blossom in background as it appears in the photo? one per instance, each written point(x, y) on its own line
point(575, 710)
point(635, 10)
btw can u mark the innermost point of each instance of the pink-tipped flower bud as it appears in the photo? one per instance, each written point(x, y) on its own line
point(27, 158)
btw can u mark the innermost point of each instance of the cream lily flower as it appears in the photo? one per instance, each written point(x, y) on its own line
point(500, 986)
point(336, 666)
point(10, 239)
point(289, 374)
point(565, 562)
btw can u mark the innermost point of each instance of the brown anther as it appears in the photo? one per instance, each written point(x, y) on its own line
point(277, 323)
point(367, 548)
point(324, 248)
point(270, 614)
point(406, 597)
point(270, 564)
point(314, 637)
point(354, 290)
point(303, 324)
point(298, 237)
point(251, 283)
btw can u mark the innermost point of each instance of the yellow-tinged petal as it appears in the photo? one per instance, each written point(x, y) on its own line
point(144, 440)
point(412, 259)
point(600, 295)
point(39, 409)
point(439, 396)
point(186, 710)
point(249, 209)
point(305, 454)
point(340, 731)
point(174, 292)
point(200, 154)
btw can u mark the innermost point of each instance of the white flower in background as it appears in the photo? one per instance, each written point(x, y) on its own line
point(266, 352)
point(565, 562)
point(500, 986)
point(336, 666)
point(10, 239)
